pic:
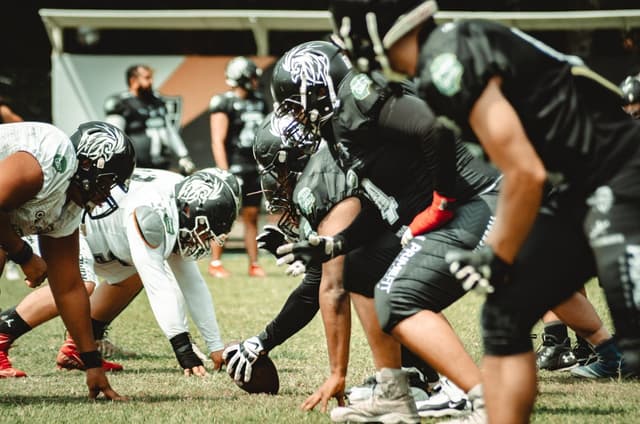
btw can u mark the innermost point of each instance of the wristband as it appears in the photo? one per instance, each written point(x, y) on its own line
point(185, 355)
point(23, 255)
point(91, 359)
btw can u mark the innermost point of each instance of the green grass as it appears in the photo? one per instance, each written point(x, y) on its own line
point(159, 392)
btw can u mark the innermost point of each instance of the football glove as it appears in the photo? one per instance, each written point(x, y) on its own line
point(270, 239)
point(187, 167)
point(480, 270)
point(436, 215)
point(316, 249)
point(241, 357)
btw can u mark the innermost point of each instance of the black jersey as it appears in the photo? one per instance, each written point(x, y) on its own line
point(380, 145)
point(571, 115)
point(139, 113)
point(245, 116)
point(321, 186)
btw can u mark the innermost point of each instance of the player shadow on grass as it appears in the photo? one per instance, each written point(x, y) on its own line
point(563, 411)
point(39, 399)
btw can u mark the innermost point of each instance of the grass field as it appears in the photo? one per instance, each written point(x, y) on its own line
point(159, 392)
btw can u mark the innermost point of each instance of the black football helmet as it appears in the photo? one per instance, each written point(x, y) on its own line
point(106, 159)
point(274, 154)
point(240, 72)
point(304, 86)
point(207, 208)
point(277, 195)
point(368, 28)
point(631, 94)
point(230, 180)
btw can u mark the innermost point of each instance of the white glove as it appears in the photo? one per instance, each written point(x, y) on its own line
point(296, 268)
point(241, 357)
point(406, 237)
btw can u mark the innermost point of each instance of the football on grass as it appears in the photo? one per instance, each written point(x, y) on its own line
point(264, 377)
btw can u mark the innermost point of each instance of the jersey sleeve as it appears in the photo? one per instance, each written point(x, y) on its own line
point(198, 299)
point(159, 282)
point(113, 105)
point(220, 103)
point(460, 59)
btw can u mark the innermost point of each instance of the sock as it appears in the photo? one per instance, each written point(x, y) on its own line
point(557, 329)
point(99, 328)
point(11, 323)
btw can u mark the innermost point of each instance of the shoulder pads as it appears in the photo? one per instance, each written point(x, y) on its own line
point(112, 103)
point(219, 102)
point(149, 225)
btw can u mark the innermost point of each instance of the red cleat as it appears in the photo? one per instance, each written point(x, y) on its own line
point(218, 271)
point(6, 369)
point(256, 270)
point(69, 358)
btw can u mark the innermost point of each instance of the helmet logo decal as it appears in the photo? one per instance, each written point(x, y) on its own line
point(200, 190)
point(306, 63)
point(101, 145)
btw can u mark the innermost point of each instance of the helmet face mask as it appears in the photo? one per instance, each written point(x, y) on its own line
point(278, 194)
point(207, 208)
point(106, 159)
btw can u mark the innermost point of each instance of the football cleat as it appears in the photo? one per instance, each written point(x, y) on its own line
point(218, 271)
point(450, 400)
point(256, 270)
point(69, 358)
point(110, 350)
point(584, 353)
point(6, 369)
point(609, 364)
point(555, 356)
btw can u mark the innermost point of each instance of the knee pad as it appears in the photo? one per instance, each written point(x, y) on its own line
point(505, 331)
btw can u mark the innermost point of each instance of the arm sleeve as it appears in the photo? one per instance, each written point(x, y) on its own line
point(411, 118)
point(159, 283)
point(198, 300)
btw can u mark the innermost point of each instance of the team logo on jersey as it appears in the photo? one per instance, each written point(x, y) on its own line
point(168, 224)
point(304, 63)
point(101, 145)
point(306, 201)
point(360, 85)
point(59, 163)
point(446, 73)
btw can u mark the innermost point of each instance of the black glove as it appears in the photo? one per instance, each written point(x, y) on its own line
point(183, 349)
point(317, 249)
point(480, 270)
point(270, 239)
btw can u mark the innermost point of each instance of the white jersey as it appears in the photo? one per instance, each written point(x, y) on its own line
point(49, 212)
point(140, 236)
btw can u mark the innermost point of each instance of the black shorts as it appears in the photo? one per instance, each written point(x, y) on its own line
point(419, 278)
point(365, 266)
point(251, 189)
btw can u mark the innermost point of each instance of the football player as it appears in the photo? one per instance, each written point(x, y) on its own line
point(235, 117)
point(165, 223)
point(308, 192)
point(47, 182)
point(542, 117)
point(390, 137)
point(142, 113)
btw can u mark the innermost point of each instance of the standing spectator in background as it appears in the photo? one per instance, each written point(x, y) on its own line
point(141, 112)
point(631, 95)
point(235, 119)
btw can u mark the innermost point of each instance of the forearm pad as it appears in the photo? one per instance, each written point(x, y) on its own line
point(185, 355)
